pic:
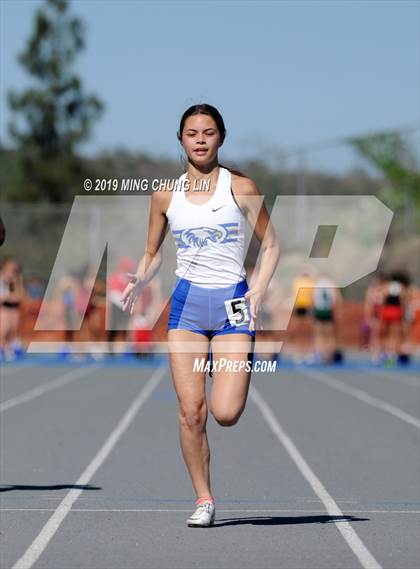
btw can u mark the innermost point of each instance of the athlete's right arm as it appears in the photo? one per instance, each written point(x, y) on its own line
point(157, 229)
point(150, 263)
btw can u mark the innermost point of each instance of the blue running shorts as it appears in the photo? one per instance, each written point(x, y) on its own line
point(210, 311)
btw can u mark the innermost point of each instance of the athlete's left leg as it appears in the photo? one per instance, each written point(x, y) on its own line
point(231, 380)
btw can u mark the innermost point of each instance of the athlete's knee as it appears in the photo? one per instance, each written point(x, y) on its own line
point(226, 418)
point(193, 415)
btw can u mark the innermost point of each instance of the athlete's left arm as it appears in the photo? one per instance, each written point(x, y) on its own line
point(251, 202)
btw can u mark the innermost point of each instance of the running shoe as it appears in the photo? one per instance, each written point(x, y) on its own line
point(203, 516)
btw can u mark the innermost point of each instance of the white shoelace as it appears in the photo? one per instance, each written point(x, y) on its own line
point(205, 506)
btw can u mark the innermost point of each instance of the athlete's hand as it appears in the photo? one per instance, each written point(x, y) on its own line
point(254, 296)
point(131, 292)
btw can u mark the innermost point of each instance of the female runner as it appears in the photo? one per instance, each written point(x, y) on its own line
point(211, 305)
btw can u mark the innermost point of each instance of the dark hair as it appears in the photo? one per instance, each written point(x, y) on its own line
point(203, 109)
point(402, 277)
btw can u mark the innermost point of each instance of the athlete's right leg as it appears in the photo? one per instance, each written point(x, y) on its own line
point(190, 388)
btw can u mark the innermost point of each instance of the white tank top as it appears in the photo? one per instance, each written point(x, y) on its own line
point(209, 237)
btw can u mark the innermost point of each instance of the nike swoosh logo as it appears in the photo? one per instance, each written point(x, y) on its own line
point(217, 208)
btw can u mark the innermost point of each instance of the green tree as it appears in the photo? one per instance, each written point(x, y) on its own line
point(393, 156)
point(53, 117)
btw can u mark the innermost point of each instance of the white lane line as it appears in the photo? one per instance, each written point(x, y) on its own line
point(378, 374)
point(363, 396)
point(55, 498)
point(48, 531)
point(48, 386)
point(350, 536)
point(147, 510)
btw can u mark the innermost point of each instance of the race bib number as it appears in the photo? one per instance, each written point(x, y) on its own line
point(237, 311)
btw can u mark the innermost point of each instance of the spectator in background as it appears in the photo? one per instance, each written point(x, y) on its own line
point(372, 314)
point(96, 321)
point(412, 329)
point(68, 289)
point(118, 319)
point(393, 315)
point(147, 309)
point(12, 293)
point(90, 298)
point(35, 287)
point(327, 303)
point(302, 329)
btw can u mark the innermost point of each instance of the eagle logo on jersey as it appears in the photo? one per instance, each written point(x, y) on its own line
point(202, 236)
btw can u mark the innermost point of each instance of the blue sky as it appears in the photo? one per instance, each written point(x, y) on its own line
point(282, 73)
